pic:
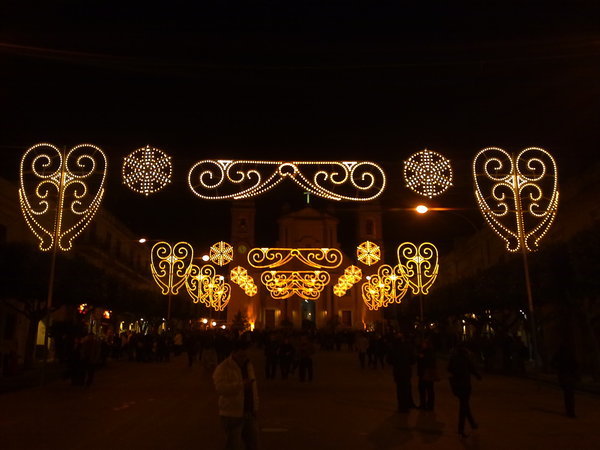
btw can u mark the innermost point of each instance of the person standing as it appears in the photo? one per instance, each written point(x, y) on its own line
point(427, 373)
point(362, 344)
point(461, 367)
point(567, 371)
point(401, 358)
point(235, 383)
point(305, 362)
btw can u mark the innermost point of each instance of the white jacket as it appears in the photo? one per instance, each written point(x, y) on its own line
point(230, 387)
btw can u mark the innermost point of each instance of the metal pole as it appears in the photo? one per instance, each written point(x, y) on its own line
point(422, 319)
point(57, 227)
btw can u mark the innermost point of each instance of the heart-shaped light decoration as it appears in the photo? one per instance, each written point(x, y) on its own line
point(517, 194)
point(169, 265)
point(419, 265)
point(59, 194)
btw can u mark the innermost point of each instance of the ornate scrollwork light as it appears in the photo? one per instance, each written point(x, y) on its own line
point(147, 170)
point(318, 258)
point(59, 194)
point(238, 179)
point(204, 285)
point(285, 283)
point(169, 265)
point(389, 285)
point(517, 194)
point(419, 265)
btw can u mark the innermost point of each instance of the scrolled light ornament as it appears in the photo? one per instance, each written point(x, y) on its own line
point(169, 265)
point(419, 265)
point(238, 179)
point(286, 283)
point(517, 194)
point(351, 276)
point(147, 170)
point(368, 253)
point(221, 253)
point(204, 285)
point(318, 258)
point(428, 173)
point(240, 276)
point(59, 194)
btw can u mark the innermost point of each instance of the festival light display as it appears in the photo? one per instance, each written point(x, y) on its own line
point(204, 285)
point(238, 179)
point(169, 265)
point(419, 265)
point(387, 286)
point(368, 253)
point(147, 170)
point(221, 253)
point(239, 275)
point(59, 195)
point(428, 173)
point(305, 284)
point(517, 194)
point(318, 258)
point(351, 276)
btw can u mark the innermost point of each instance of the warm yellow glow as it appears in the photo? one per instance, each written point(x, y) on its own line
point(204, 321)
point(358, 180)
point(142, 240)
point(428, 173)
point(106, 314)
point(368, 253)
point(305, 284)
point(517, 194)
point(204, 285)
point(59, 195)
point(240, 276)
point(422, 209)
point(147, 170)
point(352, 275)
point(388, 286)
point(419, 265)
point(205, 258)
point(221, 253)
point(213, 323)
point(318, 258)
point(169, 265)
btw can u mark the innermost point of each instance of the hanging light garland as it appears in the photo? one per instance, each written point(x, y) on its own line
point(517, 194)
point(428, 173)
point(147, 170)
point(419, 265)
point(305, 284)
point(60, 194)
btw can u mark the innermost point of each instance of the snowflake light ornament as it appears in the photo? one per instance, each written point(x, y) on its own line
point(428, 173)
point(221, 253)
point(147, 170)
point(368, 253)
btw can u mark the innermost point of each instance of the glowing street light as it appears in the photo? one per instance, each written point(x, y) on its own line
point(421, 209)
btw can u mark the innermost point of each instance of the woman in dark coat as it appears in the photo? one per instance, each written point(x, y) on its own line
point(461, 368)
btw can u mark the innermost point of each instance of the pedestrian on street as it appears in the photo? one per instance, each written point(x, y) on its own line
point(401, 357)
point(461, 367)
point(286, 357)
point(305, 362)
point(427, 373)
point(567, 371)
point(235, 382)
point(362, 344)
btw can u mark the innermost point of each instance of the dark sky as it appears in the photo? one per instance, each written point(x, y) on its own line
point(298, 81)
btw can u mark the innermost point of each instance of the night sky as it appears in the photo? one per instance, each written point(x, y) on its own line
point(299, 81)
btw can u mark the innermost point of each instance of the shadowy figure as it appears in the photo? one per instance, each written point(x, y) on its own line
point(305, 362)
point(427, 373)
point(567, 371)
point(402, 358)
point(461, 367)
point(286, 357)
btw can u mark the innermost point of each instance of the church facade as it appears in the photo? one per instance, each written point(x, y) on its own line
point(306, 228)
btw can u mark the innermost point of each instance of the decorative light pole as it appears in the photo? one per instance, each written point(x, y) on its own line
point(518, 196)
point(169, 266)
point(59, 193)
point(420, 266)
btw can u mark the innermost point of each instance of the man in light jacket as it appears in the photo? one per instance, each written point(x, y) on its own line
point(235, 383)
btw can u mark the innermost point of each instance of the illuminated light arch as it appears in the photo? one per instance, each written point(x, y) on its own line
point(204, 285)
point(517, 194)
point(239, 275)
point(147, 170)
point(284, 284)
point(419, 265)
point(59, 195)
point(359, 180)
point(368, 253)
point(389, 285)
point(169, 265)
point(428, 173)
point(351, 276)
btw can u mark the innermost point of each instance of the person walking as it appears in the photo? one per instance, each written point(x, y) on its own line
point(235, 383)
point(305, 362)
point(461, 367)
point(362, 344)
point(427, 373)
point(286, 357)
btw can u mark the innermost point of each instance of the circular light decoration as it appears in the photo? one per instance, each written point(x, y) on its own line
point(147, 170)
point(221, 253)
point(428, 173)
point(368, 253)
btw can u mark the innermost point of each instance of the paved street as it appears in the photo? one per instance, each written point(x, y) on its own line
point(169, 406)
